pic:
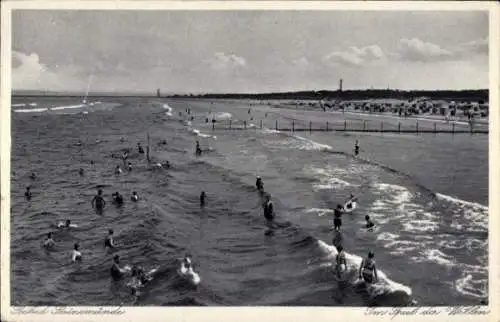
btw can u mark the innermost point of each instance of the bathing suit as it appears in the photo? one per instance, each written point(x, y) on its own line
point(108, 242)
point(116, 273)
point(269, 211)
point(368, 270)
point(77, 256)
point(337, 222)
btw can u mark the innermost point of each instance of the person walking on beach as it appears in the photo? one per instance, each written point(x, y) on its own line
point(98, 202)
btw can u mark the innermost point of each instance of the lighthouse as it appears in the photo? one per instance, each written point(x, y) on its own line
point(340, 85)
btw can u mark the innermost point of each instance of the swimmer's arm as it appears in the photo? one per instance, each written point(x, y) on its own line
point(361, 268)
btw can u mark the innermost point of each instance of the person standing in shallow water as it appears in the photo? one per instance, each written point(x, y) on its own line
point(337, 220)
point(28, 194)
point(98, 202)
point(202, 199)
point(356, 148)
point(198, 149)
point(268, 208)
point(367, 269)
point(259, 184)
point(108, 242)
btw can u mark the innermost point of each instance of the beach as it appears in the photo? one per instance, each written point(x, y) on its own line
point(426, 193)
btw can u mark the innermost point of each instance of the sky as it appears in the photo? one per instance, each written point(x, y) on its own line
point(248, 51)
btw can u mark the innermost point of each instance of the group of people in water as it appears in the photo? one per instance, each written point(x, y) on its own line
point(367, 270)
point(98, 202)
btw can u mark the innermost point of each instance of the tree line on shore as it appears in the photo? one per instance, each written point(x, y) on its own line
point(448, 95)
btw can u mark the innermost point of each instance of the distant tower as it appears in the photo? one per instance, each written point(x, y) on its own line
point(340, 85)
point(158, 92)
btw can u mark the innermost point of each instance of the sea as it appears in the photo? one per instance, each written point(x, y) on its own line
point(426, 193)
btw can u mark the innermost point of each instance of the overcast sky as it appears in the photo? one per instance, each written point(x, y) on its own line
point(248, 51)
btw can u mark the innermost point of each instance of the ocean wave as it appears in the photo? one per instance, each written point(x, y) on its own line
point(57, 108)
point(200, 134)
point(168, 108)
point(320, 211)
point(31, 110)
point(384, 286)
point(328, 179)
point(220, 116)
point(461, 202)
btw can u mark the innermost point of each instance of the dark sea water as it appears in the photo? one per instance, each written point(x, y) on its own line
point(427, 195)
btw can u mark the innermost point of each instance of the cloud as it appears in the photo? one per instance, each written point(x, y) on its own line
point(222, 61)
point(420, 51)
point(478, 46)
point(356, 56)
point(302, 63)
point(29, 73)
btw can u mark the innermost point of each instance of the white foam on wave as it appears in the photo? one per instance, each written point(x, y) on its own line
point(474, 205)
point(437, 256)
point(327, 178)
point(18, 105)
point(320, 211)
point(467, 285)
point(31, 110)
point(168, 108)
point(383, 286)
point(200, 134)
point(309, 144)
point(271, 131)
point(57, 108)
point(220, 116)
point(418, 237)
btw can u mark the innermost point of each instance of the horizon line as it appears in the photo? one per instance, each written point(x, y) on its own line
point(154, 93)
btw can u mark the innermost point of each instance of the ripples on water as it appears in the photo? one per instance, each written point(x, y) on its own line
point(427, 244)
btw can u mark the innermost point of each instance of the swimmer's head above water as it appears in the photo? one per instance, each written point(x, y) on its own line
point(187, 262)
